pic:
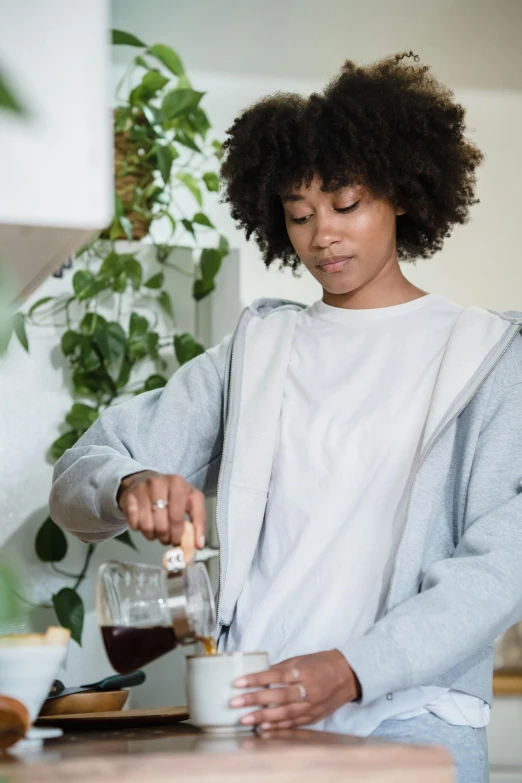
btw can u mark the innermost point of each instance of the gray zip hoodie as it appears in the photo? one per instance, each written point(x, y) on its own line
point(457, 580)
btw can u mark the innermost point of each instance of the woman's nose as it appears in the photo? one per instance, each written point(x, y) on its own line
point(325, 234)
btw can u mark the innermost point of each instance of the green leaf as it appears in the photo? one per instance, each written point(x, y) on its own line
point(211, 180)
point(187, 141)
point(223, 246)
point(8, 100)
point(155, 382)
point(219, 148)
point(81, 416)
point(119, 37)
point(134, 272)
point(200, 121)
point(118, 206)
point(168, 57)
point(69, 341)
point(203, 220)
point(164, 157)
point(124, 373)
point(188, 225)
point(125, 538)
point(19, 329)
point(177, 103)
point(122, 119)
point(127, 227)
point(111, 266)
point(209, 261)
point(190, 182)
point(165, 302)
point(86, 285)
point(68, 606)
point(184, 83)
point(156, 281)
point(202, 288)
point(186, 348)
point(90, 322)
point(90, 356)
point(152, 344)
point(63, 443)
point(111, 341)
point(120, 283)
point(82, 283)
point(154, 81)
point(39, 303)
point(138, 324)
point(50, 544)
point(96, 383)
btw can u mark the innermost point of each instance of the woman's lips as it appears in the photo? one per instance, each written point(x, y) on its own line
point(336, 264)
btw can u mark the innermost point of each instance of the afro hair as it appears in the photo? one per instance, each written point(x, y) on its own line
point(390, 126)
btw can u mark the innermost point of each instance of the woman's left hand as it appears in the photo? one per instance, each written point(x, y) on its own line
point(315, 686)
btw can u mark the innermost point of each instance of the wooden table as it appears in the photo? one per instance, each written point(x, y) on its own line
point(180, 753)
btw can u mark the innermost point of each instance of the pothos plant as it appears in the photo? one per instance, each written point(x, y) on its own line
point(109, 319)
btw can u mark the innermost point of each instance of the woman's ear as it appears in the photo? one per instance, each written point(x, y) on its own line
point(400, 211)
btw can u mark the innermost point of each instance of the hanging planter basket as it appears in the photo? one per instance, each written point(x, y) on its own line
point(133, 170)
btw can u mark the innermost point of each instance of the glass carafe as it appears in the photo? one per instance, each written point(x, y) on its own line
point(145, 611)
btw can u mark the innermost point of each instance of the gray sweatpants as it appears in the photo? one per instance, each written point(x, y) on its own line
point(468, 746)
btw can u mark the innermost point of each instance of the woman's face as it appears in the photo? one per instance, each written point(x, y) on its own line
point(350, 229)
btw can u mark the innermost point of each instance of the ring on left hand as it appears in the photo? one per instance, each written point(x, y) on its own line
point(302, 691)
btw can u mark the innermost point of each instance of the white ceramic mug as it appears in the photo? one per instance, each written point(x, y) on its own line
point(209, 684)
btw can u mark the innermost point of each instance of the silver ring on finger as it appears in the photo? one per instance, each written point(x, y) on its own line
point(159, 503)
point(295, 673)
point(302, 691)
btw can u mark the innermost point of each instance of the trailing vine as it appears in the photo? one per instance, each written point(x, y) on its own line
point(115, 320)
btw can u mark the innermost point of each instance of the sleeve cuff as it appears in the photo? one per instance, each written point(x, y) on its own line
point(379, 664)
point(106, 489)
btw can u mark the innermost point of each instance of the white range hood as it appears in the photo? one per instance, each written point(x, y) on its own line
point(56, 161)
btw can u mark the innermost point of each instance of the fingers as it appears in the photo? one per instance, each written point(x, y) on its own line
point(158, 489)
point(276, 675)
point(288, 712)
point(196, 511)
point(137, 500)
point(272, 696)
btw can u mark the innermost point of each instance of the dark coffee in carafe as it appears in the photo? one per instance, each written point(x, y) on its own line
point(129, 649)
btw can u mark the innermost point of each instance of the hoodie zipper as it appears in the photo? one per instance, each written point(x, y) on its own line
point(441, 433)
point(225, 434)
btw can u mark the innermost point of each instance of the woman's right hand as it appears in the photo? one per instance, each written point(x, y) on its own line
point(138, 494)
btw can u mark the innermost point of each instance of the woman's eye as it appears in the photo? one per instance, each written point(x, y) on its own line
point(342, 210)
point(350, 208)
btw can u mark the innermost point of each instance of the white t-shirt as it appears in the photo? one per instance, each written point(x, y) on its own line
point(355, 403)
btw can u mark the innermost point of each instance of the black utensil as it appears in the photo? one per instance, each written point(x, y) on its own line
point(114, 683)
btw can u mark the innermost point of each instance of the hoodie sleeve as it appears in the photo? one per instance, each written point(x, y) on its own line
point(176, 430)
point(468, 600)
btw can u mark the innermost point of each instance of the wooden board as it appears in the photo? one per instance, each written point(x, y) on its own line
point(126, 718)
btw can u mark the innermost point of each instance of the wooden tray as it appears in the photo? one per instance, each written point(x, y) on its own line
point(126, 718)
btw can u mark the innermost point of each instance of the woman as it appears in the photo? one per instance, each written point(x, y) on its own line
point(366, 449)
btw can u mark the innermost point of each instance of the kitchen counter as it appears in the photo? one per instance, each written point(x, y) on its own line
point(183, 754)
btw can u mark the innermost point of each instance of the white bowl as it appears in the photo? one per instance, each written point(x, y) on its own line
point(27, 673)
